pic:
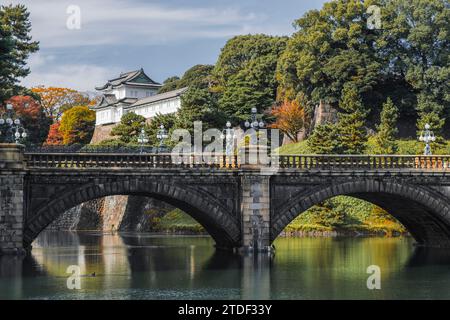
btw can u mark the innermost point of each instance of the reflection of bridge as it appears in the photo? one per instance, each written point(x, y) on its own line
point(240, 205)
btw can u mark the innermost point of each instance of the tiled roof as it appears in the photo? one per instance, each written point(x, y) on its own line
point(127, 78)
point(158, 97)
point(109, 100)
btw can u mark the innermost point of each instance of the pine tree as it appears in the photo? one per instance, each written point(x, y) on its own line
point(387, 130)
point(352, 135)
point(15, 47)
point(129, 127)
point(431, 113)
point(323, 139)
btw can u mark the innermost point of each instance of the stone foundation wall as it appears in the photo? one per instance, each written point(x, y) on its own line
point(141, 211)
point(102, 133)
point(118, 213)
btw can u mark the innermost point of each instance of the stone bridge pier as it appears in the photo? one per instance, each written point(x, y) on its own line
point(255, 211)
point(12, 173)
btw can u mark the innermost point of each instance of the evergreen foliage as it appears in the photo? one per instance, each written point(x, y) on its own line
point(385, 138)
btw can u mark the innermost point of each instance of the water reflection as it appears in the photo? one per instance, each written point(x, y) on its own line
point(130, 266)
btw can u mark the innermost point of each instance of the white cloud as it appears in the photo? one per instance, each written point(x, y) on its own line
point(111, 27)
point(82, 77)
point(130, 22)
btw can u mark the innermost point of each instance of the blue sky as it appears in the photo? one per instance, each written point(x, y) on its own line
point(163, 37)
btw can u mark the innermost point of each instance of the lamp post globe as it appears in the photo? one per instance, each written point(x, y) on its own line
point(255, 124)
point(161, 135)
point(427, 136)
point(11, 128)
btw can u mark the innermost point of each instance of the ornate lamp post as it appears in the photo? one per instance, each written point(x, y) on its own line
point(161, 136)
point(253, 123)
point(11, 127)
point(229, 136)
point(427, 136)
point(142, 138)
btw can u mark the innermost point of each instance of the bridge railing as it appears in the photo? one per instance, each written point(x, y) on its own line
point(128, 160)
point(368, 162)
point(300, 162)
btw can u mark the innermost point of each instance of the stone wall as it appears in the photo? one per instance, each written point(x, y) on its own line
point(140, 212)
point(323, 113)
point(118, 213)
point(102, 133)
point(86, 216)
point(11, 198)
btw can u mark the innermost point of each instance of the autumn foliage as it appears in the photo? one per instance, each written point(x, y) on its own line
point(290, 118)
point(32, 116)
point(77, 125)
point(54, 135)
point(55, 101)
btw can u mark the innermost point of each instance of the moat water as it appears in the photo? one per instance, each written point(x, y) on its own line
point(144, 266)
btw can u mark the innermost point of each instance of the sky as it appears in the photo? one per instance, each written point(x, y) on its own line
point(83, 43)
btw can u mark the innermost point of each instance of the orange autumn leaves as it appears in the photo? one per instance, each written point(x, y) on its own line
point(56, 100)
point(290, 118)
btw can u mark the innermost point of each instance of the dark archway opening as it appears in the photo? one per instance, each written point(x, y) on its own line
point(222, 226)
point(420, 210)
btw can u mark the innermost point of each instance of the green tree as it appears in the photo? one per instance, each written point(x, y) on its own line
point(169, 84)
point(168, 120)
point(15, 47)
point(331, 48)
point(431, 113)
point(245, 74)
point(199, 104)
point(198, 76)
point(129, 128)
point(416, 41)
point(77, 125)
point(323, 139)
point(352, 135)
point(406, 58)
point(385, 139)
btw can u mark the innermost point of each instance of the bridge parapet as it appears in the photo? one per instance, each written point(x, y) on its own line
point(127, 160)
point(368, 162)
point(301, 162)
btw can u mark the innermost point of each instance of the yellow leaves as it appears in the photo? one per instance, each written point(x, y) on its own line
point(53, 99)
point(340, 34)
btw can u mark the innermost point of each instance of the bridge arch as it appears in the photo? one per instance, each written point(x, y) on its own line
point(221, 225)
point(424, 212)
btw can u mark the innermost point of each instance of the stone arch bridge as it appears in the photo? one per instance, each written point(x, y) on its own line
point(242, 206)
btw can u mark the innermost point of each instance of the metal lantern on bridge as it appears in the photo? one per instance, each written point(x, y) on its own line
point(427, 136)
point(253, 123)
point(11, 129)
point(142, 138)
point(229, 137)
point(161, 136)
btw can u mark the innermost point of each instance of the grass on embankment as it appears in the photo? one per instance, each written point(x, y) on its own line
point(176, 221)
